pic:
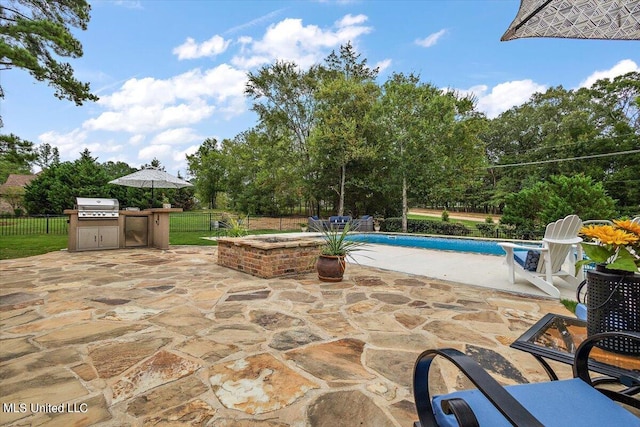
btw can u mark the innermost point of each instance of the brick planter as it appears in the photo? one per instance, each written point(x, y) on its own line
point(269, 257)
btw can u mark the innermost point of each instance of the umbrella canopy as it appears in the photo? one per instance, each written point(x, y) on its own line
point(151, 178)
point(578, 19)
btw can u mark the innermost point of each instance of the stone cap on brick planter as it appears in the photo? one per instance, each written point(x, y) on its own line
point(267, 243)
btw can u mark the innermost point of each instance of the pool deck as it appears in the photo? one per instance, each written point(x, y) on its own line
point(148, 337)
point(487, 271)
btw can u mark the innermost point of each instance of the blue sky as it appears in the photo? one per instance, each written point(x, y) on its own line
point(170, 73)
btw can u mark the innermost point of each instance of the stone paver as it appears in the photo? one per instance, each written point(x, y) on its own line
point(147, 337)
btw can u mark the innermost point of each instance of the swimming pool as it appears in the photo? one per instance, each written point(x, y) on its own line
point(486, 247)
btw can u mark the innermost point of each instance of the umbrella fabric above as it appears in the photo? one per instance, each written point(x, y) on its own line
point(151, 178)
point(579, 19)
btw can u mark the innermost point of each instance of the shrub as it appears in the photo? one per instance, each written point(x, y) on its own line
point(394, 225)
point(445, 216)
point(487, 229)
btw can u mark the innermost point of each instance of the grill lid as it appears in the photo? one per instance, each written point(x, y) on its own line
point(89, 207)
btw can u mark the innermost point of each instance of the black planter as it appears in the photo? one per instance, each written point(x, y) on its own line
point(331, 268)
point(613, 304)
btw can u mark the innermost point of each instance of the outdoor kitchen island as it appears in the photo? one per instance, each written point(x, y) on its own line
point(115, 229)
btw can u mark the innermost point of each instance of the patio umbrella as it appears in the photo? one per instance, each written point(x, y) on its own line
point(577, 19)
point(151, 178)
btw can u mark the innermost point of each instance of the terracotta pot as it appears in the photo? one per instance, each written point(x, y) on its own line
point(331, 268)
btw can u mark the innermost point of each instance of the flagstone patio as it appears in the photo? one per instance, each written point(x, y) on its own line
point(151, 337)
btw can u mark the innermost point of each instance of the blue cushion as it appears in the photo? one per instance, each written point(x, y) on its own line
point(554, 403)
point(315, 218)
point(581, 312)
point(527, 259)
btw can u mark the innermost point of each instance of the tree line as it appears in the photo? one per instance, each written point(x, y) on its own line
point(331, 138)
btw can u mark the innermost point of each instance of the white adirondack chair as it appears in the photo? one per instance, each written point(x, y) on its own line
point(558, 246)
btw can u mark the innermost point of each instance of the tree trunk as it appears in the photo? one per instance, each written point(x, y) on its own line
point(343, 173)
point(405, 208)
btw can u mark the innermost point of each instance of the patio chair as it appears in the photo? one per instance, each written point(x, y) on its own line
point(539, 264)
point(571, 402)
point(316, 224)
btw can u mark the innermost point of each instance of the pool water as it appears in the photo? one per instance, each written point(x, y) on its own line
point(486, 247)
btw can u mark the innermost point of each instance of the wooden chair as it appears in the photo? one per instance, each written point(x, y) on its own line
point(539, 264)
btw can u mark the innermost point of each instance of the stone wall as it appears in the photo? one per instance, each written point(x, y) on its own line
point(269, 257)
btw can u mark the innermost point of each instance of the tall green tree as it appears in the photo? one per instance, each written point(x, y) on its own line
point(258, 172)
point(346, 95)
point(284, 98)
point(36, 33)
point(547, 201)
point(46, 155)
point(16, 156)
point(57, 187)
point(207, 165)
point(566, 132)
point(344, 117)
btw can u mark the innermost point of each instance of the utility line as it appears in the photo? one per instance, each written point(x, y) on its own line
point(593, 156)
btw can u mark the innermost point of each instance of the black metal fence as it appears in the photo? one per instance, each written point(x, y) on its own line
point(36, 224)
point(205, 222)
point(180, 222)
point(210, 221)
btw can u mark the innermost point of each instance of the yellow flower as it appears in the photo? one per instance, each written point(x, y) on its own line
point(609, 235)
point(629, 226)
point(616, 246)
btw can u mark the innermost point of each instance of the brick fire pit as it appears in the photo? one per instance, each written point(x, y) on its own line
point(269, 257)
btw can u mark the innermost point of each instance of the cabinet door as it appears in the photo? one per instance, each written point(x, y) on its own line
point(109, 237)
point(87, 238)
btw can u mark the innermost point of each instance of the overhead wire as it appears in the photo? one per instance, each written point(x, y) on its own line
point(592, 156)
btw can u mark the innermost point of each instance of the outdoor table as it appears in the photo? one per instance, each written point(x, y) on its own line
point(556, 337)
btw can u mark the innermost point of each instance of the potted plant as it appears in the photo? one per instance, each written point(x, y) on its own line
point(166, 204)
point(332, 260)
point(376, 224)
point(303, 226)
point(613, 287)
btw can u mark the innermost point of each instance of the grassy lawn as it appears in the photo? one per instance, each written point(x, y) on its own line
point(29, 245)
point(466, 222)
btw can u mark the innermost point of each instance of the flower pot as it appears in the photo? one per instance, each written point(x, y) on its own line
point(166, 205)
point(613, 304)
point(331, 268)
point(376, 228)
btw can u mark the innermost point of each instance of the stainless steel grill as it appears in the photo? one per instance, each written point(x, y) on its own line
point(92, 208)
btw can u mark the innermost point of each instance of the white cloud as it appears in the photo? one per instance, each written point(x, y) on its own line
point(383, 65)
point(623, 67)
point(431, 39)
point(150, 152)
point(147, 105)
point(503, 96)
point(129, 4)
point(210, 48)
point(136, 139)
point(176, 137)
point(69, 144)
point(290, 40)
point(349, 20)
